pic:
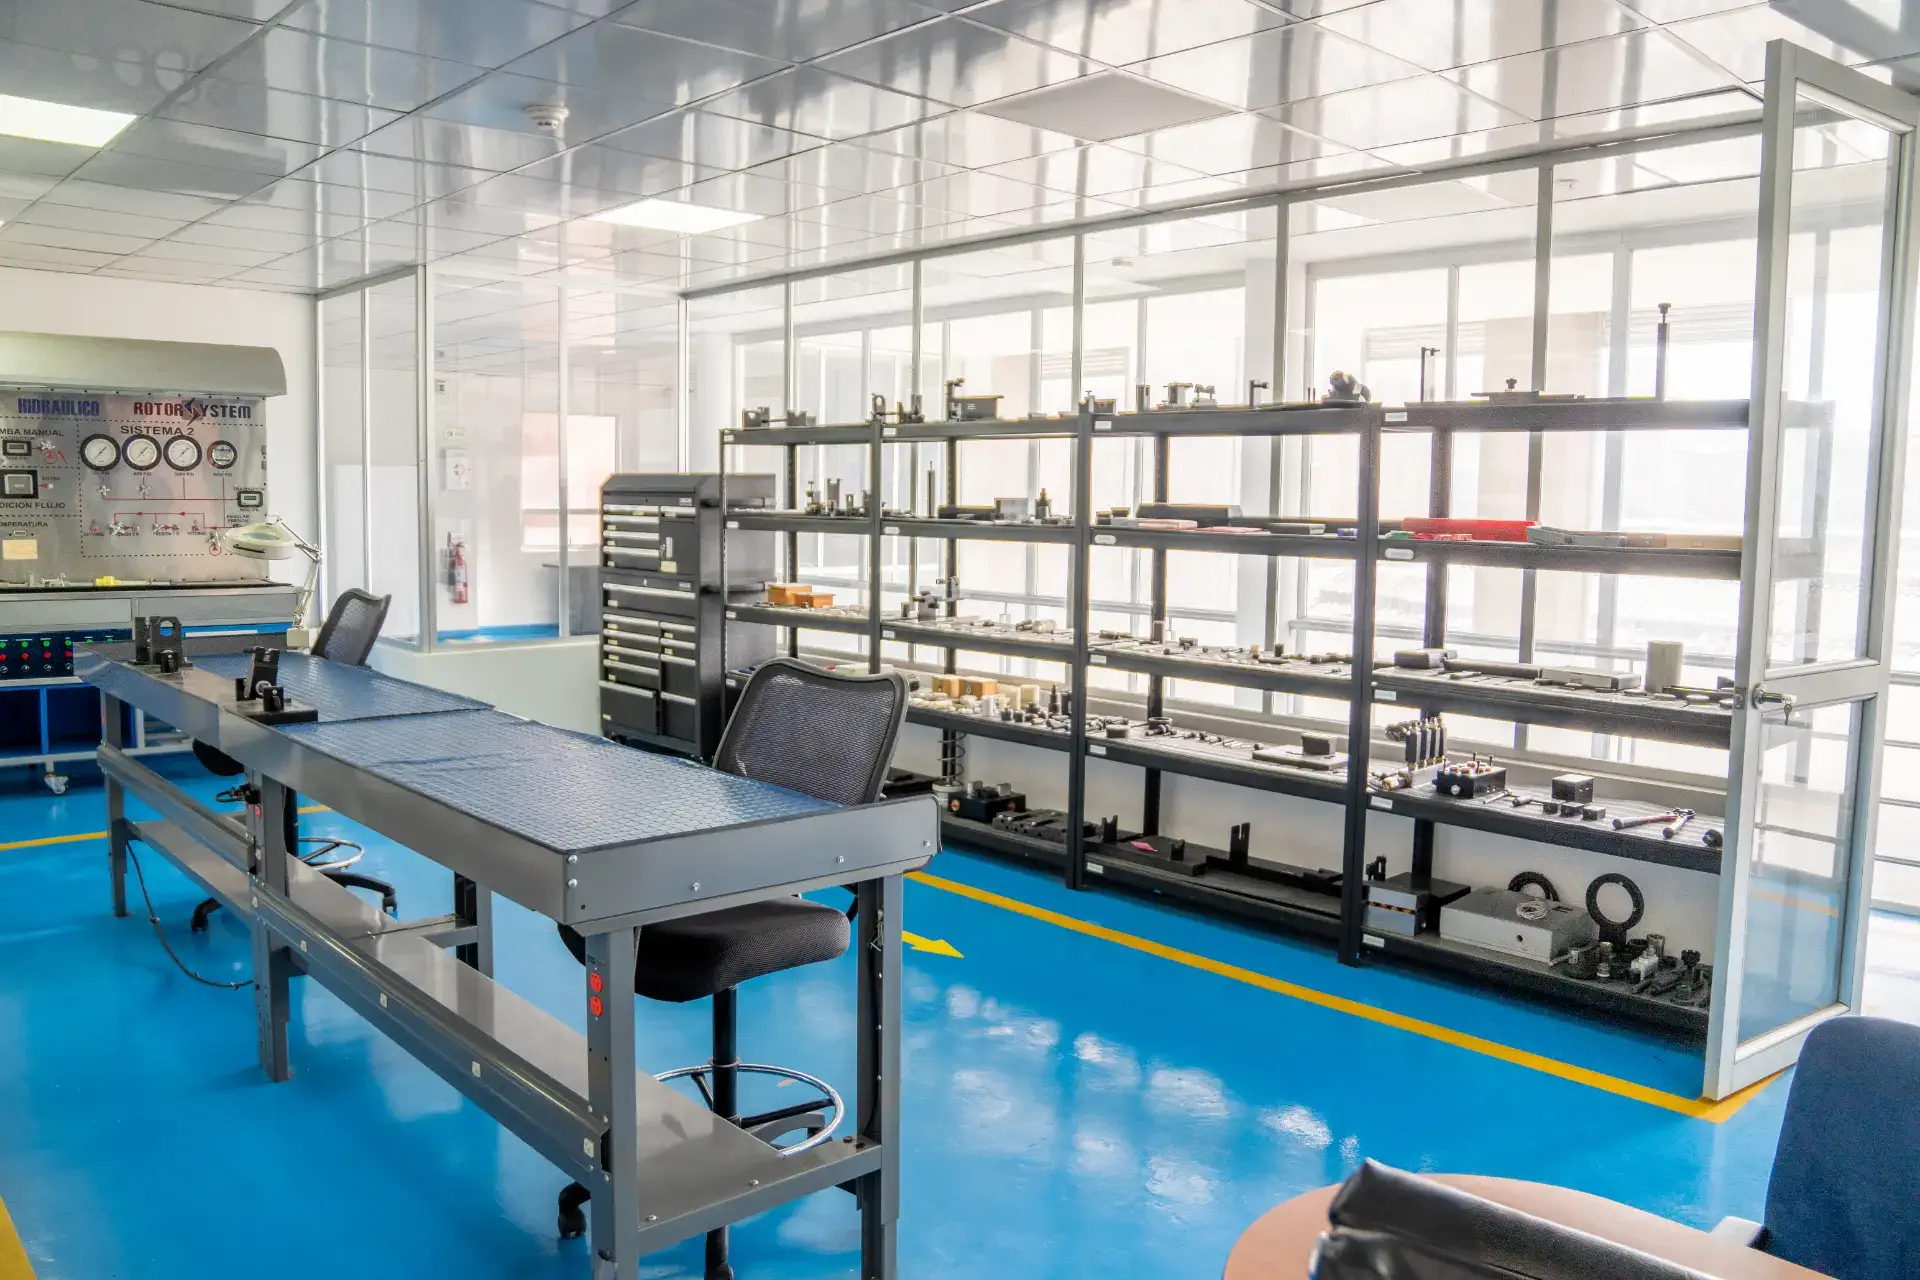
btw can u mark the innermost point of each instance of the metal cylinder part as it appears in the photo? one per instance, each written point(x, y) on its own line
point(1664, 659)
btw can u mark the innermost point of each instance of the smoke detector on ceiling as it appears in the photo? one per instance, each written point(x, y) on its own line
point(547, 117)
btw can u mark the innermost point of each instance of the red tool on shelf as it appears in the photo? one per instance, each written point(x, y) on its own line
point(1478, 530)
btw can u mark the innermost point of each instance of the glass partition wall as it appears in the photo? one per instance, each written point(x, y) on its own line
point(449, 482)
point(1571, 272)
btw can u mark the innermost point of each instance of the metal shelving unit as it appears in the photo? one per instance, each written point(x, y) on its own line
point(1250, 890)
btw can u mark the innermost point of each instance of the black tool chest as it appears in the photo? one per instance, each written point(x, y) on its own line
point(661, 680)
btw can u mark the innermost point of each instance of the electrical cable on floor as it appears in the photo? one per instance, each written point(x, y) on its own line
point(327, 845)
point(161, 934)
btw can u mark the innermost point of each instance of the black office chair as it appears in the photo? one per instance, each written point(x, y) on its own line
point(828, 735)
point(346, 637)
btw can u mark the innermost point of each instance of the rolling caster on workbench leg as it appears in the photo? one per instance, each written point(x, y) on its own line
point(56, 783)
point(573, 1218)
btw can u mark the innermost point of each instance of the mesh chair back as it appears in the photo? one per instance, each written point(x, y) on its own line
point(817, 732)
point(352, 625)
point(1841, 1199)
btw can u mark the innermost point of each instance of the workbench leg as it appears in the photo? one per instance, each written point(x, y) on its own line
point(614, 1212)
point(878, 1105)
point(272, 965)
point(113, 733)
point(473, 904)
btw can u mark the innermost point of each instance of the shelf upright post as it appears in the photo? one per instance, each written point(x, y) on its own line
point(1079, 601)
point(792, 452)
point(1433, 632)
point(876, 503)
point(1360, 712)
point(1156, 683)
point(950, 569)
point(726, 596)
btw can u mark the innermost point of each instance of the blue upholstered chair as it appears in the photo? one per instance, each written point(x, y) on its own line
point(1845, 1194)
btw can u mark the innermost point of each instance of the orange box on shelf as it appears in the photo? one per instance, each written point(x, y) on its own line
point(978, 686)
point(787, 593)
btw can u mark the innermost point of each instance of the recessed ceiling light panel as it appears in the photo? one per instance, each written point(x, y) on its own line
point(675, 215)
point(58, 122)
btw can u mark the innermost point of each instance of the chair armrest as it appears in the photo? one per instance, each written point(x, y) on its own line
point(1739, 1231)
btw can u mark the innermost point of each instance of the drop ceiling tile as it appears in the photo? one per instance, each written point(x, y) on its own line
point(158, 204)
point(177, 142)
point(470, 145)
point(79, 218)
point(809, 100)
point(12, 208)
point(242, 238)
point(1738, 40)
point(795, 30)
point(499, 100)
point(613, 60)
point(79, 80)
point(417, 179)
point(1228, 144)
point(48, 258)
point(1096, 170)
point(307, 196)
point(559, 200)
point(271, 276)
point(750, 193)
point(157, 39)
point(25, 186)
point(340, 69)
point(461, 214)
point(17, 233)
point(956, 62)
point(847, 168)
point(1129, 30)
point(1271, 67)
point(41, 159)
point(411, 241)
point(862, 217)
point(1439, 36)
point(1105, 106)
point(1425, 106)
point(165, 272)
point(1640, 66)
point(232, 257)
point(603, 168)
point(480, 33)
point(277, 113)
point(713, 141)
point(969, 140)
point(246, 10)
point(124, 169)
point(1677, 10)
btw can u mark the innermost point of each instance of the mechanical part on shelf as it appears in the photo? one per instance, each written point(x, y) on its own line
point(1297, 528)
point(1204, 397)
point(1615, 931)
point(1043, 507)
point(1407, 904)
point(1664, 660)
point(1486, 667)
point(1534, 880)
point(1628, 824)
point(1377, 869)
point(1672, 829)
point(878, 414)
point(1204, 515)
point(984, 801)
point(1713, 838)
point(1653, 951)
point(1476, 776)
point(1049, 825)
point(1592, 813)
point(1177, 396)
point(961, 408)
point(800, 418)
point(1345, 389)
point(1587, 678)
point(1572, 786)
point(1603, 968)
point(1391, 780)
point(1516, 924)
point(1583, 961)
point(1662, 339)
point(1425, 352)
point(1466, 527)
point(987, 514)
point(1422, 659)
point(1013, 509)
point(1142, 398)
point(1425, 741)
point(1253, 401)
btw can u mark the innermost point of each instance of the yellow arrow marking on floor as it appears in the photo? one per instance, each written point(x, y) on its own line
point(933, 946)
point(14, 1264)
point(1700, 1108)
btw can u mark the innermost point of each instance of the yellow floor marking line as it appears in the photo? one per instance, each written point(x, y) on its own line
point(13, 1254)
point(1699, 1108)
point(101, 835)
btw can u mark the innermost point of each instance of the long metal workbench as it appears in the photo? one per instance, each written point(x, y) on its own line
point(594, 835)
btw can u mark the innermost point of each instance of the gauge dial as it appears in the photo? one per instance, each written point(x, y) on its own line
point(99, 452)
point(183, 453)
point(222, 455)
point(141, 452)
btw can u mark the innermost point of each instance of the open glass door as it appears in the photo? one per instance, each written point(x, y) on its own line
point(1832, 335)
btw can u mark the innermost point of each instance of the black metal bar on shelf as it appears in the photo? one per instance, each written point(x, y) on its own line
point(1530, 578)
point(950, 570)
point(792, 464)
point(1079, 616)
point(876, 504)
point(1433, 632)
point(1157, 622)
point(1360, 711)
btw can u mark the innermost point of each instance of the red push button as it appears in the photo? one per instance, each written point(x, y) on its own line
point(595, 1007)
point(595, 982)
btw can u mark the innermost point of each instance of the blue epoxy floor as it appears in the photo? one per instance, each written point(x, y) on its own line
point(1074, 1108)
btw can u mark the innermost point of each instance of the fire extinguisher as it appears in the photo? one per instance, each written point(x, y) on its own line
point(457, 568)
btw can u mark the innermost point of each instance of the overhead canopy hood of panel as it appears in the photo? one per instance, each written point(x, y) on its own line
point(133, 365)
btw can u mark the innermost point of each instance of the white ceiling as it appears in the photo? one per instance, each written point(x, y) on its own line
point(296, 146)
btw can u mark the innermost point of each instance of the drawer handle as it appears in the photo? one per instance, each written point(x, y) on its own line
point(679, 662)
point(674, 697)
point(627, 688)
point(649, 591)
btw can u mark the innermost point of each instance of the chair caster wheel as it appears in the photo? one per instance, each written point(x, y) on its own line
point(573, 1217)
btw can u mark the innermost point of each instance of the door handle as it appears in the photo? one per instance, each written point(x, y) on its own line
point(1764, 698)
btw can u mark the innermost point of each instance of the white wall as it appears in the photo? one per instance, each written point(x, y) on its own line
point(556, 682)
point(99, 306)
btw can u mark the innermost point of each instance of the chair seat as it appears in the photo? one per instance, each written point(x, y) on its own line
point(694, 957)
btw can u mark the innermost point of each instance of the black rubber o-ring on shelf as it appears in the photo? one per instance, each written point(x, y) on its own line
point(1537, 881)
point(1611, 930)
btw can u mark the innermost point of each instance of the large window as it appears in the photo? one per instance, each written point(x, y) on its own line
point(592, 456)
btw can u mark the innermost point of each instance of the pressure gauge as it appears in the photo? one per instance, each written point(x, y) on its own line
point(222, 455)
point(141, 452)
point(99, 452)
point(183, 453)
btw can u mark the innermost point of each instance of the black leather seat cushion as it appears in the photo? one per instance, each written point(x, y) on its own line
point(692, 958)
